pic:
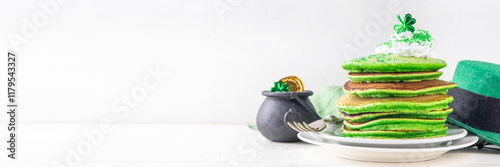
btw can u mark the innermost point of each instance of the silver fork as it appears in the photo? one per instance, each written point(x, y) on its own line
point(315, 126)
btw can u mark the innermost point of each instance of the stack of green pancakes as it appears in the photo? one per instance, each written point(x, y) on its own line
point(395, 97)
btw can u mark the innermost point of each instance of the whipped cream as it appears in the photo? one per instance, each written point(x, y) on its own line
point(416, 44)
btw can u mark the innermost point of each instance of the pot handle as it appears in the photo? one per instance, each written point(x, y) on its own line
point(291, 111)
point(303, 104)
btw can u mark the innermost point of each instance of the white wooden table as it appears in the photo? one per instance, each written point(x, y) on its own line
point(189, 145)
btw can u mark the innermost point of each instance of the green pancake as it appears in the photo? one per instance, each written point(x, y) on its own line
point(352, 104)
point(392, 63)
point(365, 117)
point(394, 134)
point(396, 124)
point(394, 77)
point(398, 89)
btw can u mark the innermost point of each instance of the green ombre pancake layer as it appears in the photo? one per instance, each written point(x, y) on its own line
point(393, 77)
point(399, 93)
point(396, 124)
point(392, 63)
point(394, 134)
point(352, 104)
point(365, 117)
point(398, 89)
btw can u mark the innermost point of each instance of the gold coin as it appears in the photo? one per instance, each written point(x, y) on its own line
point(294, 83)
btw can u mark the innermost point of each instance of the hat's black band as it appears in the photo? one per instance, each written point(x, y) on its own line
point(475, 110)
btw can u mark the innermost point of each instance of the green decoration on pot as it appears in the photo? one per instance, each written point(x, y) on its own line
point(279, 87)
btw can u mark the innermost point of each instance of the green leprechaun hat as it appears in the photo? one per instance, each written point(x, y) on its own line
point(476, 105)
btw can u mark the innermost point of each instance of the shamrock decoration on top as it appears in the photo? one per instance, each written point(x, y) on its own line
point(406, 24)
point(279, 87)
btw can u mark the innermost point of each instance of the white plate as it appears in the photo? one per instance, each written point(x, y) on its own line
point(387, 154)
point(452, 133)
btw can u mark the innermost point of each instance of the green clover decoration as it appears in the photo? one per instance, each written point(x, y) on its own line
point(406, 24)
point(279, 87)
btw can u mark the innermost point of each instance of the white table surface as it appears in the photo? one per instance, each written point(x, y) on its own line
point(193, 145)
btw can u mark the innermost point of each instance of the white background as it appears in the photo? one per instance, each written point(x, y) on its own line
point(90, 53)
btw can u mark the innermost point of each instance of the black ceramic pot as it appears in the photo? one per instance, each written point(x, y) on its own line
point(281, 107)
